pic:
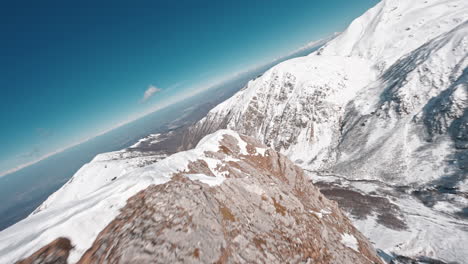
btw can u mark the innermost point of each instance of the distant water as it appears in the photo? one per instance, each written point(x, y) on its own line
point(23, 191)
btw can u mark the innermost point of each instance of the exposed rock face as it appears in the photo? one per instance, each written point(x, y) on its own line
point(55, 252)
point(253, 206)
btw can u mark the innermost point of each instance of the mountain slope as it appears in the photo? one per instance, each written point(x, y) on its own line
point(394, 28)
point(296, 107)
point(231, 199)
point(415, 129)
point(392, 64)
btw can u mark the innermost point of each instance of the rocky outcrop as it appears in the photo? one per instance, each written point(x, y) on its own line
point(239, 202)
point(55, 252)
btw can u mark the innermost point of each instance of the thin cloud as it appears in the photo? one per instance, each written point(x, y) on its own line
point(33, 153)
point(152, 90)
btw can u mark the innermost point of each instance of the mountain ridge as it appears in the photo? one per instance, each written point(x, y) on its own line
point(230, 199)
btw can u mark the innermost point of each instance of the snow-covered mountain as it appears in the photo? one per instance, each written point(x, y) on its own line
point(231, 199)
point(377, 118)
point(384, 100)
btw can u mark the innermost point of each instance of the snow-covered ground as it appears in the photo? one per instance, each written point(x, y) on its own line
point(102, 170)
point(150, 139)
point(91, 199)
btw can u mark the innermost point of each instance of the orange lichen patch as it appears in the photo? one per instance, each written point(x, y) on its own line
point(224, 149)
point(227, 214)
point(259, 242)
point(279, 208)
point(196, 253)
point(56, 251)
point(225, 253)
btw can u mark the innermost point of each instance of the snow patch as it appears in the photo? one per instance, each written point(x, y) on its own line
point(350, 241)
point(153, 139)
point(229, 158)
point(210, 180)
point(261, 151)
point(254, 189)
point(211, 142)
point(325, 211)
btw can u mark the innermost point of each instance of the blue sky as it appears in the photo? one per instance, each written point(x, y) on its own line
point(72, 69)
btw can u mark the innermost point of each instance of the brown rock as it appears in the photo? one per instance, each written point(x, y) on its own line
point(55, 252)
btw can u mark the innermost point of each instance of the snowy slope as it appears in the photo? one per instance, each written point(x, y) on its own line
point(295, 107)
point(394, 28)
point(414, 127)
point(102, 170)
point(380, 101)
point(385, 101)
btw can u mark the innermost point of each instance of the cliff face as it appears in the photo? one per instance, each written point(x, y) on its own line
point(236, 201)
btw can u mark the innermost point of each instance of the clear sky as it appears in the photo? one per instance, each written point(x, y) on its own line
point(72, 69)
